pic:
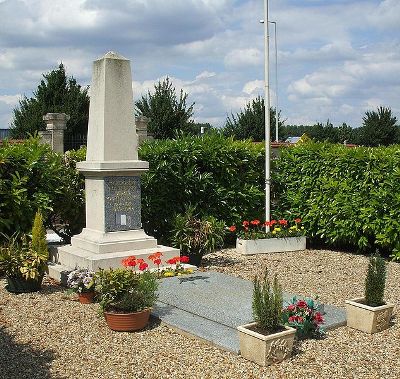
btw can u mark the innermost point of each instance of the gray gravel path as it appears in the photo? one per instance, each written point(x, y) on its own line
point(51, 335)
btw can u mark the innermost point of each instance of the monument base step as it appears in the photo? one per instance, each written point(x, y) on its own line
point(73, 258)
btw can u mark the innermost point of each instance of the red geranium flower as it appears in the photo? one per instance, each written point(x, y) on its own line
point(273, 222)
point(157, 261)
point(232, 228)
point(291, 308)
point(255, 222)
point(283, 222)
point(172, 261)
point(267, 223)
point(129, 261)
point(245, 223)
point(302, 304)
point(184, 259)
point(318, 318)
point(297, 220)
point(143, 266)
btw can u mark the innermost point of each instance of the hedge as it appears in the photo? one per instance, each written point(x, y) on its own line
point(346, 196)
point(218, 176)
point(33, 177)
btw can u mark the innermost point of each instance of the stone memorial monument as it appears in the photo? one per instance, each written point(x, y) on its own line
point(112, 176)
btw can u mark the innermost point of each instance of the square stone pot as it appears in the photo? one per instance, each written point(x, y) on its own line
point(368, 319)
point(265, 349)
point(270, 245)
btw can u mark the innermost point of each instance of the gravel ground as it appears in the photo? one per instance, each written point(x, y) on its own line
point(50, 335)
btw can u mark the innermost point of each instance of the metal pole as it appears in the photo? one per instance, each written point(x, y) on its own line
point(276, 82)
point(267, 117)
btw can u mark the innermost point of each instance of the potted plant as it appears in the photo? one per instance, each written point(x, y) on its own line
point(82, 282)
point(266, 340)
point(25, 262)
point(304, 316)
point(283, 235)
point(196, 236)
point(371, 313)
point(126, 296)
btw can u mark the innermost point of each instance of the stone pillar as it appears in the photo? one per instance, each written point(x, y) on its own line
point(112, 175)
point(141, 129)
point(56, 123)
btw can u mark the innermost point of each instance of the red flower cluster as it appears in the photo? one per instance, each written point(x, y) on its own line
point(298, 319)
point(132, 261)
point(155, 258)
point(177, 260)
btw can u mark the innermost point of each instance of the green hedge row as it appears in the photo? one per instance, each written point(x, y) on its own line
point(218, 176)
point(33, 177)
point(346, 197)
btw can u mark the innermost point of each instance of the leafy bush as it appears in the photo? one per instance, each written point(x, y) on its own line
point(267, 303)
point(123, 290)
point(34, 177)
point(375, 281)
point(219, 177)
point(346, 197)
point(195, 236)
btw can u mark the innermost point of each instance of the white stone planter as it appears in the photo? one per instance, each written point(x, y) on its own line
point(265, 349)
point(368, 319)
point(270, 245)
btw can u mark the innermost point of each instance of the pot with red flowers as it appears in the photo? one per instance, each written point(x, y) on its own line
point(255, 236)
point(127, 294)
point(305, 317)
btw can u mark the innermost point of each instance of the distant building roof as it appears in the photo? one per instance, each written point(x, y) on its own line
point(292, 139)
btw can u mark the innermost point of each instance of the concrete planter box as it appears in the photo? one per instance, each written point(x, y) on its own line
point(368, 319)
point(270, 245)
point(265, 349)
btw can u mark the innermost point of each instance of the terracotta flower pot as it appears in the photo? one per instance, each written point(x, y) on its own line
point(127, 322)
point(86, 297)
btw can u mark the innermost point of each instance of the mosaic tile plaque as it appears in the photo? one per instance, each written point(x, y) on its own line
point(122, 203)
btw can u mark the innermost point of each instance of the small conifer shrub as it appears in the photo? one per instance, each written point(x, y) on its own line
point(375, 281)
point(267, 303)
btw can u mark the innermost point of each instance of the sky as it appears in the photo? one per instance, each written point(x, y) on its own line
point(336, 58)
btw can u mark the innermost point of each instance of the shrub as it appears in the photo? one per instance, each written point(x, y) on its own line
point(34, 177)
point(375, 281)
point(219, 177)
point(267, 303)
point(197, 236)
point(346, 197)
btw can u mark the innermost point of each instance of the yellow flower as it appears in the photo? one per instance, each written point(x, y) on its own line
point(277, 229)
point(273, 232)
point(168, 274)
point(189, 271)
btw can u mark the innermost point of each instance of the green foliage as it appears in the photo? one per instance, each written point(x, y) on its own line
point(19, 259)
point(168, 115)
point(375, 281)
point(197, 236)
point(126, 291)
point(267, 303)
point(218, 176)
point(56, 93)
point(33, 177)
point(250, 122)
point(345, 196)
point(39, 243)
point(322, 133)
point(379, 128)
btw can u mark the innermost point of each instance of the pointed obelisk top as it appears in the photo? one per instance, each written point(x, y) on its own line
point(111, 131)
point(113, 55)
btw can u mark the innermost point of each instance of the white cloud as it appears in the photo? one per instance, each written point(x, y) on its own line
point(244, 57)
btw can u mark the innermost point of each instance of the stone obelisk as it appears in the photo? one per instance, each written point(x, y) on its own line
point(112, 176)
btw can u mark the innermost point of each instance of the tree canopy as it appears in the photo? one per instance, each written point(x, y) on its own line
point(249, 122)
point(379, 128)
point(169, 114)
point(56, 93)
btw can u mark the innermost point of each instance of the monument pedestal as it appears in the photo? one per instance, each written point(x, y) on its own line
point(112, 177)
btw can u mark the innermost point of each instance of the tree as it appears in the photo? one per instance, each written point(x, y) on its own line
point(379, 128)
point(56, 93)
point(250, 122)
point(168, 115)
